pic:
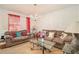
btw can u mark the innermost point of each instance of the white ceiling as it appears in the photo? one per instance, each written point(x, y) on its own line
point(31, 9)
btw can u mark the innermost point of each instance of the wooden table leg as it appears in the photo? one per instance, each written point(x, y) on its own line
point(43, 50)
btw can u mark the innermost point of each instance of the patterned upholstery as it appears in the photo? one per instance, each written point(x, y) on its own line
point(58, 40)
point(11, 39)
point(12, 33)
point(68, 39)
point(57, 34)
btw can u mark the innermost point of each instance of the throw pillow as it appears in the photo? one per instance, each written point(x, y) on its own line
point(63, 35)
point(51, 34)
point(18, 34)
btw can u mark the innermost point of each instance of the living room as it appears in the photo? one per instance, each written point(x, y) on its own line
point(19, 21)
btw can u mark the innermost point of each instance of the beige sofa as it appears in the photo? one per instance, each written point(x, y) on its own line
point(11, 39)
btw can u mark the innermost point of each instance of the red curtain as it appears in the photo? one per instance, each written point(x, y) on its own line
point(28, 24)
point(13, 22)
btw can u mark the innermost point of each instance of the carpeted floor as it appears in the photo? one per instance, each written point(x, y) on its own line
point(25, 48)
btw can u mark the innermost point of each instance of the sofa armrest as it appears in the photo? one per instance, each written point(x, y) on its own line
point(8, 37)
point(8, 40)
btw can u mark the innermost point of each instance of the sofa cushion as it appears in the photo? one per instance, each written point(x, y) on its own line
point(68, 38)
point(58, 40)
point(24, 33)
point(17, 38)
point(20, 38)
point(7, 33)
point(58, 34)
point(12, 33)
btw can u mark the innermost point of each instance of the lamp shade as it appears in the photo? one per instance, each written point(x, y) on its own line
point(73, 27)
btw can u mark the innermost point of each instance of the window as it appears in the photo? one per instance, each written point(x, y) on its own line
point(13, 22)
point(28, 24)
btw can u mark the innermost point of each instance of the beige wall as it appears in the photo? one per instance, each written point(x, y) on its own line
point(58, 20)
